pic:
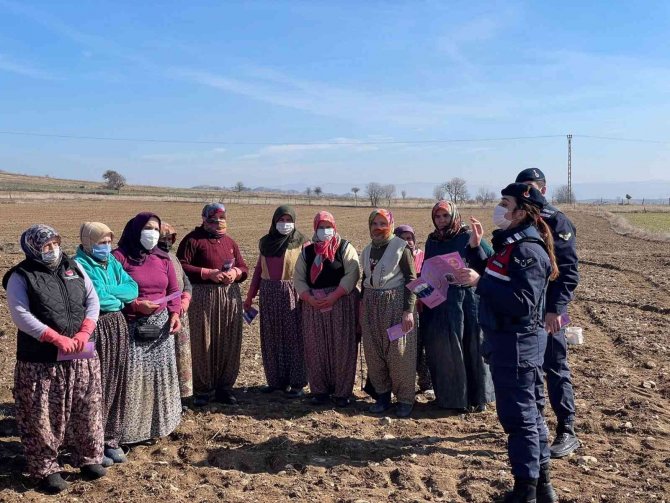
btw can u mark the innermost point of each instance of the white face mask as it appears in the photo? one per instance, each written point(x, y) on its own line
point(285, 228)
point(51, 256)
point(499, 219)
point(325, 234)
point(149, 238)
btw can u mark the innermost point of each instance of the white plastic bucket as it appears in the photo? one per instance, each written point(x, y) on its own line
point(574, 335)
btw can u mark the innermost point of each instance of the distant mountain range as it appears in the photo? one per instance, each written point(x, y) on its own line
point(651, 190)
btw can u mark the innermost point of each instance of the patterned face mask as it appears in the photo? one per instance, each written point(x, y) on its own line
point(51, 256)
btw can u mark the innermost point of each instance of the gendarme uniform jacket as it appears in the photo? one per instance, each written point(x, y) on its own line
point(561, 291)
point(512, 292)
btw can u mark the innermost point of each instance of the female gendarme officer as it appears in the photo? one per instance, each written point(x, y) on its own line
point(511, 286)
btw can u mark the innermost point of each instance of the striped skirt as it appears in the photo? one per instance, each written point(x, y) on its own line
point(153, 405)
point(58, 406)
point(281, 335)
point(331, 346)
point(391, 364)
point(111, 342)
point(182, 347)
point(215, 317)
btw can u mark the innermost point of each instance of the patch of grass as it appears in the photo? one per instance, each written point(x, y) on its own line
point(651, 221)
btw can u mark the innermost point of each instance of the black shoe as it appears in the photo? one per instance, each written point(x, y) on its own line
point(294, 393)
point(341, 402)
point(524, 491)
point(545, 491)
point(319, 399)
point(53, 484)
point(225, 397)
point(92, 472)
point(116, 455)
point(200, 400)
point(383, 403)
point(476, 409)
point(267, 389)
point(565, 442)
point(403, 410)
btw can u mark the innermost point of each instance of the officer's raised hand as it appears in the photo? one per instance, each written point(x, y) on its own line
point(477, 232)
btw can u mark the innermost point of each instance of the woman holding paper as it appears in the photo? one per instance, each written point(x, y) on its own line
point(182, 344)
point(388, 266)
point(281, 328)
point(215, 266)
point(57, 376)
point(406, 232)
point(450, 331)
point(115, 289)
point(153, 407)
point(325, 278)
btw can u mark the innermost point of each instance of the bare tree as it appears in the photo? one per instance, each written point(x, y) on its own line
point(388, 191)
point(403, 193)
point(114, 180)
point(355, 190)
point(308, 193)
point(239, 187)
point(439, 192)
point(375, 192)
point(457, 190)
point(485, 196)
point(563, 195)
point(318, 191)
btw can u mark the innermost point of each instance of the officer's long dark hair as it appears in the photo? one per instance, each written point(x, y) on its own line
point(534, 218)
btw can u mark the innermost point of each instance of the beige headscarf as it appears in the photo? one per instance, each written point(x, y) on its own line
point(92, 232)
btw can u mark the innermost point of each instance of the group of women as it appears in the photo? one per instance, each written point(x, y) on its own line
point(168, 329)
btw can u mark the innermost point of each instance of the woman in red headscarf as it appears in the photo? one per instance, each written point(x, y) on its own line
point(388, 266)
point(325, 278)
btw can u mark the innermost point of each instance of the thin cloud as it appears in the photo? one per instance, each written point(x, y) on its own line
point(22, 68)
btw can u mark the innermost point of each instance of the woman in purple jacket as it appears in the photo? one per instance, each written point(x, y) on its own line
point(153, 404)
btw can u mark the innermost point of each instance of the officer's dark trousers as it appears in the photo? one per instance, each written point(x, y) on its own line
point(559, 381)
point(520, 402)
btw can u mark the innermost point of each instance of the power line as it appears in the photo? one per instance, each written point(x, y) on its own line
point(268, 143)
point(614, 138)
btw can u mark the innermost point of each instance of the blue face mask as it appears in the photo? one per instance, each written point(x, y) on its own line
point(101, 252)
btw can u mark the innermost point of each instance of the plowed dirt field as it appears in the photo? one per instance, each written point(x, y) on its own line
point(269, 448)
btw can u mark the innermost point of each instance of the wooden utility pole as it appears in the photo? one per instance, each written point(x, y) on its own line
point(570, 201)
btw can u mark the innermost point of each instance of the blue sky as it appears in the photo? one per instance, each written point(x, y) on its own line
point(341, 77)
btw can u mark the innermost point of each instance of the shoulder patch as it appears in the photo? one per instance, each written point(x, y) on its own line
point(565, 235)
point(524, 262)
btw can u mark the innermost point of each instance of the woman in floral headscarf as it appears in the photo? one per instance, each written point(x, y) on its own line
point(325, 278)
point(215, 266)
point(58, 402)
point(388, 266)
point(450, 332)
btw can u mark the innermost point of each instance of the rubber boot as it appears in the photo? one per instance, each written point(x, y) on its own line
point(545, 491)
point(524, 491)
point(565, 442)
point(53, 484)
point(383, 403)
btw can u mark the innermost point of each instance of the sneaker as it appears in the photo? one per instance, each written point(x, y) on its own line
point(94, 471)
point(565, 442)
point(53, 484)
point(403, 410)
point(116, 455)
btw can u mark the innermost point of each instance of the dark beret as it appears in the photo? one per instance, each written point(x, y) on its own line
point(530, 175)
point(525, 193)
